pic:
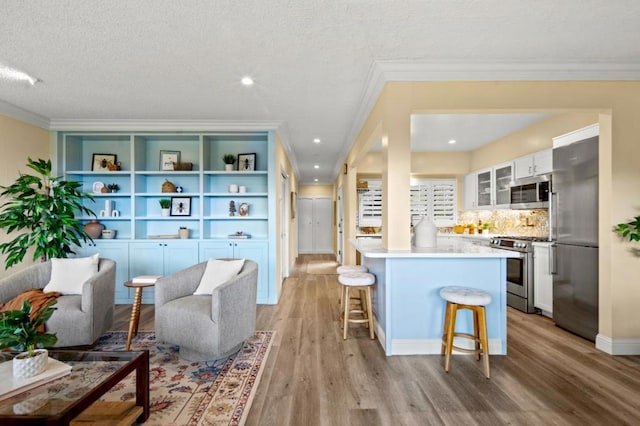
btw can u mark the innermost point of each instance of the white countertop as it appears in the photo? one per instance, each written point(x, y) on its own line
point(446, 247)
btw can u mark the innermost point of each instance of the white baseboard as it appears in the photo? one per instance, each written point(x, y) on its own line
point(618, 346)
point(433, 346)
point(382, 338)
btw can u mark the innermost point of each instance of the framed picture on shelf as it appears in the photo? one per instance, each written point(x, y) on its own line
point(180, 206)
point(247, 162)
point(167, 158)
point(101, 162)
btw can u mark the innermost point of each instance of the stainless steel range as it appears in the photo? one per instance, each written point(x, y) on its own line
point(519, 271)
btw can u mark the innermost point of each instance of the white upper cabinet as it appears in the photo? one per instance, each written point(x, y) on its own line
point(488, 188)
point(535, 164)
point(469, 191)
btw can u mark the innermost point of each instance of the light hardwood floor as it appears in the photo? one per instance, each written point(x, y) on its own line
point(313, 377)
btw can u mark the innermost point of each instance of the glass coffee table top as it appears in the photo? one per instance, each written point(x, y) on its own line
point(93, 374)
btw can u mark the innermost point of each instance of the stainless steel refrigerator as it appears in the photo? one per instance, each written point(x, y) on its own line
point(574, 228)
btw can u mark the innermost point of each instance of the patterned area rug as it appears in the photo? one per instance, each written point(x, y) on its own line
point(194, 393)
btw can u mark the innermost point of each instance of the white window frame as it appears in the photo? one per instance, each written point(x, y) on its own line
point(435, 199)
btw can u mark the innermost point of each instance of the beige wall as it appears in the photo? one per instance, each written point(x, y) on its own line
point(315, 191)
point(617, 108)
point(531, 139)
point(283, 164)
point(18, 141)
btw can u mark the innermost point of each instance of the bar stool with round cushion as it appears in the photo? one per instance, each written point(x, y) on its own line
point(474, 300)
point(358, 281)
point(344, 269)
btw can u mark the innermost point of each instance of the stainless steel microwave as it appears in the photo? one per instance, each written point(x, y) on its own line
point(531, 193)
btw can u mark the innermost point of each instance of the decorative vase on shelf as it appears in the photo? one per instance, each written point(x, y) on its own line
point(183, 233)
point(25, 366)
point(93, 229)
point(165, 212)
point(228, 167)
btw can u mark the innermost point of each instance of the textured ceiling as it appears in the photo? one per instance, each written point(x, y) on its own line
point(312, 60)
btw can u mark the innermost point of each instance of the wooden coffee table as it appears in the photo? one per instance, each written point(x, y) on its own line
point(46, 404)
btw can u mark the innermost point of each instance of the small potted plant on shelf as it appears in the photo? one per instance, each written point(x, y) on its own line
point(21, 332)
point(113, 187)
point(165, 205)
point(229, 162)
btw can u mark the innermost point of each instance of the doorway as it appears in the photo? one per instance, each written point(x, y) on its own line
point(284, 226)
point(315, 233)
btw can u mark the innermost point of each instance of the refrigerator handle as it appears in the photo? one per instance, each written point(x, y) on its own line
point(552, 259)
point(553, 216)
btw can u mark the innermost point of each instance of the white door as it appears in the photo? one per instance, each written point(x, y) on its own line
point(339, 237)
point(305, 225)
point(315, 233)
point(284, 227)
point(323, 224)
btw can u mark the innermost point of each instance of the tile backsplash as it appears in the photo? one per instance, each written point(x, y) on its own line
point(529, 223)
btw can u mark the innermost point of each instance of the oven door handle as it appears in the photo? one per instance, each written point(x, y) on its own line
point(552, 260)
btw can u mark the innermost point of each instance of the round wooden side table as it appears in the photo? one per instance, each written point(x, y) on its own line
point(135, 310)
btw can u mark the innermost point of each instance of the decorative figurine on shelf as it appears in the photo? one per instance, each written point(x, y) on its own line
point(232, 208)
point(179, 189)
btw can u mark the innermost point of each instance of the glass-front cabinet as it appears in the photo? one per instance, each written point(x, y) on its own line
point(503, 176)
point(484, 188)
point(129, 173)
point(488, 188)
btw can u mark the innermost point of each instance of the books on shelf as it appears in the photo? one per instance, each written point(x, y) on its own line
point(11, 386)
point(145, 279)
point(242, 236)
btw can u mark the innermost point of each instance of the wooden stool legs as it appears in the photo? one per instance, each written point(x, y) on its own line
point(135, 316)
point(365, 309)
point(481, 341)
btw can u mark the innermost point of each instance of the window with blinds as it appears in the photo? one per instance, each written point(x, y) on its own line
point(370, 204)
point(435, 199)
point(432, 198)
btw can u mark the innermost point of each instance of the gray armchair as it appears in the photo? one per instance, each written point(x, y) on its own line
point(206, 327)
point(79, 320)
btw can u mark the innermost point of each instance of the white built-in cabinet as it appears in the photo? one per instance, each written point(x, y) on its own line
point(488, 188)
point(470, 195)
point(315, 225)
point(538, 163)
point(144, 241)
point(543, 280)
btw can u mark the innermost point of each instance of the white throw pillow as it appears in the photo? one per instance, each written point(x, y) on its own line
point(216, 273)
point(68, 275)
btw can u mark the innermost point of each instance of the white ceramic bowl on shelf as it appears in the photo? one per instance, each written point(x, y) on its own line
point(108, 234)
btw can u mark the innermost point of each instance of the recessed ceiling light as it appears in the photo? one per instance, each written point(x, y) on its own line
point(8, 73)
point(315, 180)
point(247, 81)
point(315, 166)
point(452, 141)
point(316, 140)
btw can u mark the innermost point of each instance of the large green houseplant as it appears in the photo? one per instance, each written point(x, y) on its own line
point(629, 230)
point(42, 210)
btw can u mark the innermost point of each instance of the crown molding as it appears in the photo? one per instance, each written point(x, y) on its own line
point(506, 71)
point(161, 125)
point(283, 133)
point(18, 113)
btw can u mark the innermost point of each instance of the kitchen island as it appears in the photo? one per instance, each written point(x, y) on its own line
point(407, 307)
